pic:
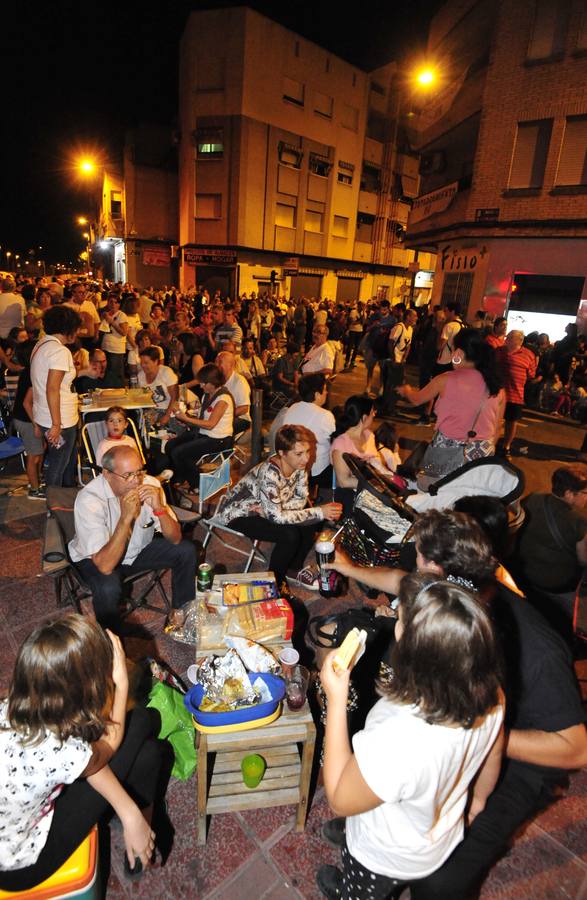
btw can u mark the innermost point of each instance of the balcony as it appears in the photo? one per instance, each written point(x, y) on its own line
point(373, 151)
point(368, 202)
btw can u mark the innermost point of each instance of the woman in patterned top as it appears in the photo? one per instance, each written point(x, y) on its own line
point(271, 504)
point(65, 759)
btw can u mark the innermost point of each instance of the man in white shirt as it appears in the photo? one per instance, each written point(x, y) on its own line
point(308, 412)
point(453, 325)
point(161, 379)
point(88, 312)
point(319, 360)
point(145, 306)
point(12, 308)
point(116, 518)
point(115, 328)
point(393, 369)
point(238, 387)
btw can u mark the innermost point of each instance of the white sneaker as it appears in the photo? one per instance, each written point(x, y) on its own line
point(307, 578)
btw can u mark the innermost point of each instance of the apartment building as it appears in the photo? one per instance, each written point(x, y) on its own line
point(289, 179)
point(137, 227)
point(503, 143)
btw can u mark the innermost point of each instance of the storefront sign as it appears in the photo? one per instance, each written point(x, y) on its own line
point(432, 203)
point(291, 266)
point(207, 257)
point(156, 256)
point(455, 259)
point(347, 273)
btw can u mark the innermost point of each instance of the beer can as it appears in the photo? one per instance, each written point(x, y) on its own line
point(204, 577)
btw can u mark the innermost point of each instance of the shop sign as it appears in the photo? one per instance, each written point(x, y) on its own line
point(347, 273)
point(455, 259)
point(207, 257)
point(435, 202)
point(156, 256)
point(291, 266)
point(489, 214)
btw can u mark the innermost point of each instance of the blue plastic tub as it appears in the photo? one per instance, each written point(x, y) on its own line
point(276, 686)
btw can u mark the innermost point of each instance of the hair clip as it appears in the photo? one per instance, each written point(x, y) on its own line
point(462, 582)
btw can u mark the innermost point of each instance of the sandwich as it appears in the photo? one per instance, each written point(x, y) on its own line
point(350, 651)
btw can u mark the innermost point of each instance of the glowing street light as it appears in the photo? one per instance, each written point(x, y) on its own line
point(87, 167)
point(86, 235)
point(426, 77)
point(81, 220)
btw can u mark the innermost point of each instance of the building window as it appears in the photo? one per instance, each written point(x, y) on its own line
point(323, 105)
point(319, 165)
point(116, 204)
point(314, 221)
point(340, 226)
point(370, 179)
point(549, 29)
point(290, 155)
point(345, 178)
point(285, 215)
point(377, 88)
point(349, 117)
point(293, 91)
point(345, 172)
point(365, 224)
point(208, 206)
point(456, 288)
point(210, 143)
point(572, 165)
point(530, 153)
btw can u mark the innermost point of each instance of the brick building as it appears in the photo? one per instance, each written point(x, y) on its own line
point(289, 175)
point(503, 143)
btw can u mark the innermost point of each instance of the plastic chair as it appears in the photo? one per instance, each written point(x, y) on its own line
point(77, 877)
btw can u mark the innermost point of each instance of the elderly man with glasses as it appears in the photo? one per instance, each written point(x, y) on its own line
point(117, 516)
point(319, 360)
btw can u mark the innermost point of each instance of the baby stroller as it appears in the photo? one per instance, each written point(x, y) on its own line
point(490, 477)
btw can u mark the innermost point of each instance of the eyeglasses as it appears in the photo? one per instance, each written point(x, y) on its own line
point(127, 476)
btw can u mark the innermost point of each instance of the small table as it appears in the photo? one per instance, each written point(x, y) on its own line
point(286, 779)
point(133, 398)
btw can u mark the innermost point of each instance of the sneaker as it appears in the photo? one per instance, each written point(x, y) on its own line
point(306, 578)
point(329, 881)
point(334, 831)
point(165, 475)
point(37, 494)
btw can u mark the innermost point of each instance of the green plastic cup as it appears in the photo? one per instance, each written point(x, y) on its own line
point(253, 768)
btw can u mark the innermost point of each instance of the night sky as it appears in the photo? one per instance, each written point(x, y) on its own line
point(77, 75)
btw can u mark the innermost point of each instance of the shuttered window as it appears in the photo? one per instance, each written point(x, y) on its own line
point(572, 165)
point(530, 153)
point(285, 216)
point(293, 91)
point(323, 105)
point(456, 288)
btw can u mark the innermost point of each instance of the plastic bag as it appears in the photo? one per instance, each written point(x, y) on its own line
point(176, 726)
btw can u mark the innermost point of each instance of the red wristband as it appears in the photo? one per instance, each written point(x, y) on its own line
point(160, 512)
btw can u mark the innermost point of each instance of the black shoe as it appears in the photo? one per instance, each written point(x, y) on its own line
point(333, 832)
point(329, 881)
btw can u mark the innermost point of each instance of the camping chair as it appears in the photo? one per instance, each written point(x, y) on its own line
point(212, 527)
point(70, 587)
point(10, 445)
point(93, 433)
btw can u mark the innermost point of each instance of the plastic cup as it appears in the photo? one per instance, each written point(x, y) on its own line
point(296, 686)
point(253, 768)
point(192, 673)
point(288, 658)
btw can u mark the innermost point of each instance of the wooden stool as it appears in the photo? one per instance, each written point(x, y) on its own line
point(78, 876)
point(286, 779)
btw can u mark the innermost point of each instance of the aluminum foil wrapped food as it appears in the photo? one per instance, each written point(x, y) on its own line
point(256, 657)
point(225, 681)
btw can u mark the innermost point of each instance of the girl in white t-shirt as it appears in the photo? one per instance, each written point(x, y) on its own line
point(436, 728)
point(67, 756)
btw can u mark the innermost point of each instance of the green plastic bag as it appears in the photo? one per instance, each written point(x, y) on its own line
point(176, 727)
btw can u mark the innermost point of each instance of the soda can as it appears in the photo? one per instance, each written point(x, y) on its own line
point(204, 577)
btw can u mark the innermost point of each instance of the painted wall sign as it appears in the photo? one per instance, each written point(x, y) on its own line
point(455, 259)
point(432, 203)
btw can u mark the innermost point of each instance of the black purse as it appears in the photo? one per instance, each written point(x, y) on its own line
point(344, 622)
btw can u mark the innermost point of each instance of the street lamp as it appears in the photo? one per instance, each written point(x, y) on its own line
point(81, 220)
point(426, 77)
point(86, 166)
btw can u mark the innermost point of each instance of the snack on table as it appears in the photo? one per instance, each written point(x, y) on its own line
point(255, 657)
point(234, 593)
point(264, 621)
point(225, 681)
point(112, 393)
point(351, 650)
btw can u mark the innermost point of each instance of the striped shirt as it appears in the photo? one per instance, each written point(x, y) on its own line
point(516, 368)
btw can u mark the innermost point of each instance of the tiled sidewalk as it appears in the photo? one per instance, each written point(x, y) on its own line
point(257, 855)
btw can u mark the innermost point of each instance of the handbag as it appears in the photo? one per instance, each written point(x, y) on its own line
point(439, 461)
point(343, 623)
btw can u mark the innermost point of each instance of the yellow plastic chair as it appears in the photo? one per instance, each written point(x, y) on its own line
point(77, 877)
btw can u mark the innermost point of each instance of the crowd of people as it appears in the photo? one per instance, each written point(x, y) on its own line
point(479, 718)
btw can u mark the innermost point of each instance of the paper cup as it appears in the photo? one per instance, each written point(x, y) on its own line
point(288, 658)
point(192, 673)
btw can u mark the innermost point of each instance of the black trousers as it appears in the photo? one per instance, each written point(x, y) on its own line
point(291, 542)
point(136, 764)
point(352, 347)
point(392, 375)
point(159, 554)
point(519, 796)
point(184, 450)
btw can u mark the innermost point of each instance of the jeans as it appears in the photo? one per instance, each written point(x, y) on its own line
point(136, 763)
point(184, 450)
point(519, 796)
point(62, 460)
point(107, 590)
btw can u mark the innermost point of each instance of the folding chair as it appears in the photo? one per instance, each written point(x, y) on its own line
point(94, 432)
point(212, 526)
point(10, 445)
point(70, 587)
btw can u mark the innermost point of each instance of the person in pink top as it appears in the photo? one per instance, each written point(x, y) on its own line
point(469, 400)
